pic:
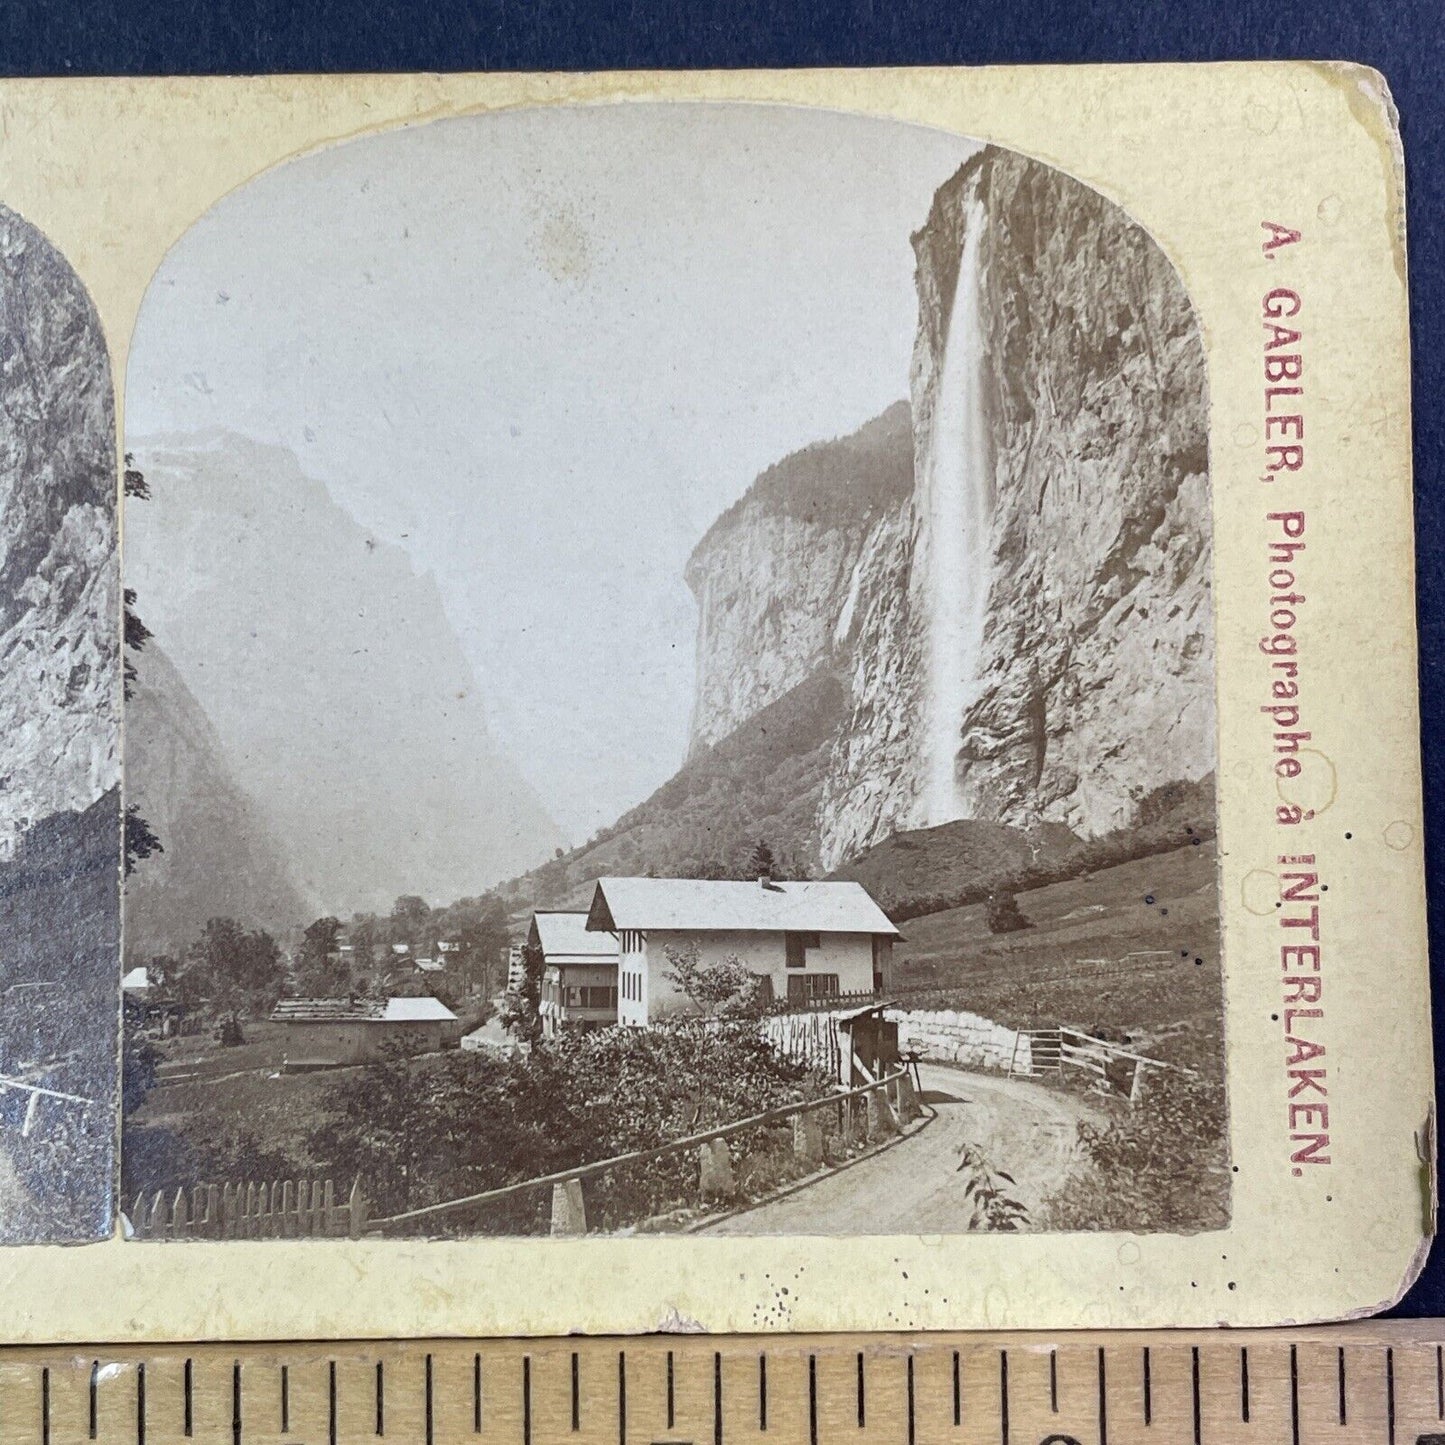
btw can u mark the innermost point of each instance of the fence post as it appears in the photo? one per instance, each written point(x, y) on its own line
point(715, 1171)
point(808, 1138)
point(569, 1213)
point(1136, 1087)
point(356, 1210)
point(178, 1214)
point(881, 1119)
point(908, 1109)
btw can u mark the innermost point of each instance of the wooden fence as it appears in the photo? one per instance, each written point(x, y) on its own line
point(1109, 1067)
point(286, 1209)
point(807, 1038)
point(873, 1112)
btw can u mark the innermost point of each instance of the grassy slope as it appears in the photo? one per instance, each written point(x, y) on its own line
point(1048, 974)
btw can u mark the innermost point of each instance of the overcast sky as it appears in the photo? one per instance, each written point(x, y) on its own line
point(542, 351)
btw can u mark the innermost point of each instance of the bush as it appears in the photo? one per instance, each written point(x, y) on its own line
point(470, 1122)
point(1003, 914)
point(1160, 1166)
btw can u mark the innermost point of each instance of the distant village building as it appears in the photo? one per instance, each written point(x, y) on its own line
point(579, 978)
point(325, 1032)
point(806, 940)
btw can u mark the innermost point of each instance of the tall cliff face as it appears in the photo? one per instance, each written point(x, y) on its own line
point(341, 696)
point(775, 576)
point(1025, 632)
point(221, 856)
point(59, 697)
point(59, 577)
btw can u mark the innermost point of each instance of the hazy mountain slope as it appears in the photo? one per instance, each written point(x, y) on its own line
point(331, 674)
point(221, 855)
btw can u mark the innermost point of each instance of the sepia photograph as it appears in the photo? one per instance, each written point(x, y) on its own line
point(670, 688)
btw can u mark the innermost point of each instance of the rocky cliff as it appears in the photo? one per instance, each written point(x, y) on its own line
point(59, 578)
point(1022, 618)
point(59, 694)
point(775, 576)
point(327, 665)
point(221, 856)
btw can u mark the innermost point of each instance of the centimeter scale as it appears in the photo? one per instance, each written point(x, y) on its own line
point(1379, 1382)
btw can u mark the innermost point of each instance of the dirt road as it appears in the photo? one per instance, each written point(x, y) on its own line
point(915, 1187)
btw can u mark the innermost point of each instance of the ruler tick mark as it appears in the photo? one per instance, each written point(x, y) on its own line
point(577, 1392)
point(1244, 1383)
point(526, 1400)
point(140, 1404)
point(717, 1421)
point(671, 1394)
point(622, 1397)
point(1440, 1382)
point(1390, 1394)
point(862, 1402)
point(331, 1401)
point(912, 1424)
point(285, 1400)
point(1002, 1395)
point(380, 1399)
point(429, 1412)
point(957, 1392)
point(186, 1421)
point(1340, 1373)
point(45, 1408)
point(1053, 1382)
point(1194, 1386)
point(762, 1392)
point(236, 1402)
point(1148, 1395)
point(813, 1399)
point(94, 1398)
point(1294, 1394)
point(1103, 1400)
point(477, 1393)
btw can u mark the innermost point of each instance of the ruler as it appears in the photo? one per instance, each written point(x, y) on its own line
point(1378, 1382)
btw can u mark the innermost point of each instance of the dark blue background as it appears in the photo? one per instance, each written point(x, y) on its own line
point(1400, 39)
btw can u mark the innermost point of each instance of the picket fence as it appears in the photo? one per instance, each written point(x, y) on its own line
point(284, 1209)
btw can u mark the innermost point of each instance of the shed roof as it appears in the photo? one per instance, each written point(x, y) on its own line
point(137, 978)
point(361, 1010)
point(563, 938)
point(710, 905)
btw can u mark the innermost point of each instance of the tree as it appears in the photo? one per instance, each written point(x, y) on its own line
point(239, 971)
point(729, 989)
point(140, 840)
point(761, 862)
point(1003, 914)
point(319, 967)
point(522, 1008)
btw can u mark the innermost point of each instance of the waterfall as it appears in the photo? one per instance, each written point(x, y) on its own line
point(958, 514)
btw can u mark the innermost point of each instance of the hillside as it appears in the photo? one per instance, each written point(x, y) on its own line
point(332, 676)
point(762, 781)
point(221, 854)
point(906, 870)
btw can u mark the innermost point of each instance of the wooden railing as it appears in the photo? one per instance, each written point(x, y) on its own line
point(1111, 1067)
point(37, 1093)
point(875, 1111)
point(286, 1209)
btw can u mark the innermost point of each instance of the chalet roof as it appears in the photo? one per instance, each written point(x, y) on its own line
point(361, 1010)
point(563, 938)
point(708, 905)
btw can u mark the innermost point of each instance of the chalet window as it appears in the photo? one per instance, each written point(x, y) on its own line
point(797, 946)
point(807, 986)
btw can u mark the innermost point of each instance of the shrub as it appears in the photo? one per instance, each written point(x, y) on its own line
point(1160, 1166)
